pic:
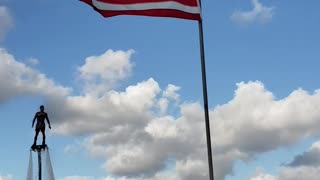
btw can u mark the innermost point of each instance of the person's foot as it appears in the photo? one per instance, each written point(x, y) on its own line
point(33, 146)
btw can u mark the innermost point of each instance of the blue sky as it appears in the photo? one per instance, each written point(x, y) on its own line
point(124, 94)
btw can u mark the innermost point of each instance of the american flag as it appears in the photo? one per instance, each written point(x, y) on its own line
point(185, 9)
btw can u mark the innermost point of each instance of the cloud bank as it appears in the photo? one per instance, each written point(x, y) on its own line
point(138, 139)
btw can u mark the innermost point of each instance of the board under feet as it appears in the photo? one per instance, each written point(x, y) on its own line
point(38, 148)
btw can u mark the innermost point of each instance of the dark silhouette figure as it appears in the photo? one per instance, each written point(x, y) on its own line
point(40, 126)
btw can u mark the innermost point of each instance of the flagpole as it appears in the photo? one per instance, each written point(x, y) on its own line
point(205, 100)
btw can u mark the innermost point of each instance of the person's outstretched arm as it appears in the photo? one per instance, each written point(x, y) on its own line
point(35, 116)
point(47, 118)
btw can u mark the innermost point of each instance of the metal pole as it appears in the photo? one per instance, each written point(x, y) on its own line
point(205, 100)
point(39, 162)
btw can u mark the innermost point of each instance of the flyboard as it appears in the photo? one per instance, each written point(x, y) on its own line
point(39, 148)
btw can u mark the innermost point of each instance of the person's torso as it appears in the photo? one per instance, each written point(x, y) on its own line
point(41, 117)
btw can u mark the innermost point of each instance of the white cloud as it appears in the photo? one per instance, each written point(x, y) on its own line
point(188, 167)
point(113, 178)
point(168, 175)
point(135, 134)
point(292, 173)
point(278, 122)
point(6, 177)
point(125, 158)
point(88, 114)
point(163, 105)
point(32, 61)
point(102, 72)
point(308, 173)
point(259, 14)
point(92, 178)
point(78, 178)
point(171, 92)
point(18, 79)
point(6, 21)
point(169, 95)
point(261, 175)
point(162, 128)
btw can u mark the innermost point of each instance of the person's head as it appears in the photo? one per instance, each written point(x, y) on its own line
point(42, 108)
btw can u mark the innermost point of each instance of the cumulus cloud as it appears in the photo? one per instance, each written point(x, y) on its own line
point(6, 21)
point(277, 122)
point(136, 142)
point(89, 114)
point(254, 113)
point(259, 14)
point(102, 72)
point(18, 79)
point(125, 132)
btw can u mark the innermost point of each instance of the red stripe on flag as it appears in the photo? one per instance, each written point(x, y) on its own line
point(185, 2)
point(154, 13)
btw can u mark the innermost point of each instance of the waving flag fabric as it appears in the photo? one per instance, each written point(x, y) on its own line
point(185, 9)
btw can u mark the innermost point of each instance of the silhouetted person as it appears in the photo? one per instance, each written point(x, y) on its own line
point(40, 126)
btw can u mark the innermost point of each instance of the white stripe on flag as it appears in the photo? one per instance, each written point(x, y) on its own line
point(146, 6)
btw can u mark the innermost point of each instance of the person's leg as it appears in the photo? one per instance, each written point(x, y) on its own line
point(43, 136)
point(36, 136)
